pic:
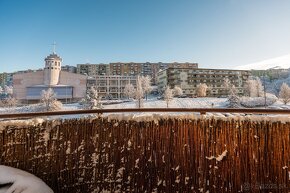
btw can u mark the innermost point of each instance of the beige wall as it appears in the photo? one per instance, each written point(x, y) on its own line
point(78, 81)
point(21, 81)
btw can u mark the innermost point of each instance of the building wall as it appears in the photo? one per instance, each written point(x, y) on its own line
point(24, 80)
point(162, 80)
point(6, 79)
point(78, 81)
point(188, 79)
point(68, 68)
point(111, 86)
point(131, 69)
point(93, 69)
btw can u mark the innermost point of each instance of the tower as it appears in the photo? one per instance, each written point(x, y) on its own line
point(52, 69)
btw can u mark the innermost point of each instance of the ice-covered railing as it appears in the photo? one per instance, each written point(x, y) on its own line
point(224, 111)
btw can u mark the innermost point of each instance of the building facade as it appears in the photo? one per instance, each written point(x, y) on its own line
point(6, 79)
point(188, 79)
point(68, 68)
point(111, 86)
point(130, 69)
point(93, 69)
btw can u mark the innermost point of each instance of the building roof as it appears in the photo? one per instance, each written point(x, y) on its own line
point(53, 56)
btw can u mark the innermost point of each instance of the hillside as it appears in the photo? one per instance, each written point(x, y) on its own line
point(277, 62)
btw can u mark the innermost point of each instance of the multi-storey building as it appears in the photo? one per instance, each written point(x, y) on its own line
point(130, 69)
point(125, 69)
point(6, 79)
point(93, 69)
point(67, 68)
point(111, 86)
point(188, 79)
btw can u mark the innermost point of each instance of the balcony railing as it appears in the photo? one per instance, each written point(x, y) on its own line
point(136, 110)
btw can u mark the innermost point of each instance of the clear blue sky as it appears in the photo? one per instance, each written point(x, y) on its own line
point(214, 33)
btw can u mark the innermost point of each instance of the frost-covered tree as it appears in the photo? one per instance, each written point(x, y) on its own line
point(254, 88)
point(8, 102)
point(1, 90)
point(11, 102)
point(227, 85)
point(168, 95)
point(233, 90)
point(129, 90)
point(284, 93)
point(92, 99)
point(177, 91)
point(201, 90)
point(259, 87)
point(233, 99)
point(8, 90)
point(49, 101)
point(139, 93)
point(146, 84)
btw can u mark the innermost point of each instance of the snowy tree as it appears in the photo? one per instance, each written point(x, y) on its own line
point(259, 87)
point(1, 90)
point(129, 91)
point(168, 95)
point(177, 91)
point(11, 102)
point(92, 99)
point(233, 90)
point(233, 99)
point(201, 90)
point(146, 85)
point(48, 99)
point(254, 88)
point(8, 102)
point(8, 90)
point(139, 93)
point(227, 85)
point(284, 93)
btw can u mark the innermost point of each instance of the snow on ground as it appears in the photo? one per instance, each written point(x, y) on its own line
point(150, 103)
point(16, 180)
point(205, 102)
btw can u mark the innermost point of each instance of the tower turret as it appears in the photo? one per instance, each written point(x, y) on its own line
point(52, 69)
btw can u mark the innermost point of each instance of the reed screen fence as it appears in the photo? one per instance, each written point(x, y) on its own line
point(167, 155)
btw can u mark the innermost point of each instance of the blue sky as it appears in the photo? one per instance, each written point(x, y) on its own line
point(214, 33)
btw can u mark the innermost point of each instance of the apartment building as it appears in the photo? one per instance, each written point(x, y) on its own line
point(188, 79)
point(125, 69)
point(130, 69)
point(6, 79)
point(111, 86)
point(93, 69)
point(68, 68)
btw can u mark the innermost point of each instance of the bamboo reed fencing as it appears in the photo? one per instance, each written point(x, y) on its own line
point(168, 155)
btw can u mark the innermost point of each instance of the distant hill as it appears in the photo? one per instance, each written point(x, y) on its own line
point(278, 62)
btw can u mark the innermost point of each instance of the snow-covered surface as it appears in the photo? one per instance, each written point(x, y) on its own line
point(205, 102)
point(21, 182)
point(279, 62)
point(219, 157)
